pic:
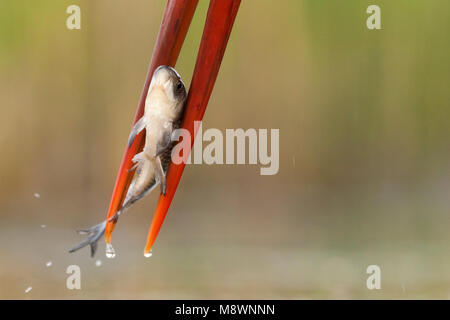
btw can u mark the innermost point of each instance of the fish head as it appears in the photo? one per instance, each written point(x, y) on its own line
point(166, 82)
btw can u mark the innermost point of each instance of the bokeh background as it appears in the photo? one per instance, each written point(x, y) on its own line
point(364, 121)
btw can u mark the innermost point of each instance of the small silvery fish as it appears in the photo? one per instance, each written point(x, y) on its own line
point(164, 109)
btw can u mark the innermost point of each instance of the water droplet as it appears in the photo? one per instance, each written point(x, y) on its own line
point(110, 253)
point(148, 254)
point(49, 264)
point(28, 289)
point(43, 226)
point(37, 195)
point(98, 263)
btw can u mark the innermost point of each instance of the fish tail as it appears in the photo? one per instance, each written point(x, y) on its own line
point(94, 234)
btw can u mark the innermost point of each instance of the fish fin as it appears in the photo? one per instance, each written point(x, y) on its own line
point(161, 175)
point(137, 159)
point(93, 246)
point(165, 139)
point(138, 127)
point(133, 167)
point(94, 234)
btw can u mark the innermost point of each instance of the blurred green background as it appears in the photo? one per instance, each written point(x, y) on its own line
point(364, 123)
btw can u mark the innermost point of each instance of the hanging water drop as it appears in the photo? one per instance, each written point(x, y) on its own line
point(28, 289)
point(98, 263)
point(148, 254)
point(110, 252)
point(49, 264)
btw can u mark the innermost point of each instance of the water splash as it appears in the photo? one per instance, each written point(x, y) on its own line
point(28, 289)
point(49, 264)
point(148, 254)
point(37, 195)
point(43, 226)
point(110, 252)
point(98, 263)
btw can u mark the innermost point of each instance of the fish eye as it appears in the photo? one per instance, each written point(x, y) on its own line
point(178, 89)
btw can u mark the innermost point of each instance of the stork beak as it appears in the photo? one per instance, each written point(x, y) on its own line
point(176, 20)
point(219, 22)
point(174, 26)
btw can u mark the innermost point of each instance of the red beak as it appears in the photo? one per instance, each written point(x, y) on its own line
point(219, 22)
point(174, 26)
point(177, 17)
